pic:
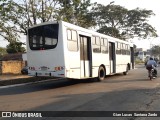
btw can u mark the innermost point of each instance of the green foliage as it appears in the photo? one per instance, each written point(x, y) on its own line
point(2, 52)
point(138, 61)
point(113, 20)
point(110, 31)
point(76, 12)
point(15, 47)
point(20, 16)
point(17, 17)
point(122, 23)
point(136, 53)
point(6, 17)
point(155, 50)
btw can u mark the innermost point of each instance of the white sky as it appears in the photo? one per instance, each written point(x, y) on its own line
point(130, 4)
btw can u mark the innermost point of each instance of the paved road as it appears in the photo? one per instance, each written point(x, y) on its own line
point(134, 92)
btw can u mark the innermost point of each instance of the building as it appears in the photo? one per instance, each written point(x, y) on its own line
point(12, 64)
point(142, 54)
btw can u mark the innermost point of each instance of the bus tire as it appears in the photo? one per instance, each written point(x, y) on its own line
point(101, 73)
point(126, 72)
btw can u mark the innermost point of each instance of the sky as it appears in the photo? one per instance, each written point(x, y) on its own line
point(130, 4)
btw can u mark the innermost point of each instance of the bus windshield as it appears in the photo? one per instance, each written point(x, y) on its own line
point(43, 37)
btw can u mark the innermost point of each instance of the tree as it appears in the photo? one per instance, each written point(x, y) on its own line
point(76, 12)
point(2, 52)
point(155, 50)
point(15, 47)
point(6, 25)
point(117, 21)
point(112, 20)
point(28, 13)
point(17, 17)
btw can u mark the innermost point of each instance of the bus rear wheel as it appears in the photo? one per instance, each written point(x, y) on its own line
point(126, 72)
point(101, 73)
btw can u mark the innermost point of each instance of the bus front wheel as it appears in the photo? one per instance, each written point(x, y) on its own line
point(101, 73)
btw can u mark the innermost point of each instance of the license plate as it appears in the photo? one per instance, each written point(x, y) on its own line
point(44, 68)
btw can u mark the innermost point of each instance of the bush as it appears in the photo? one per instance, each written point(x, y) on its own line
point(137, 61)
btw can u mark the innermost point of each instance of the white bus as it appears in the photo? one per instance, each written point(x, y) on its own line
point(65, 50)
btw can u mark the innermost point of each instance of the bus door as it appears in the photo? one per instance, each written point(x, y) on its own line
point(112, 57)
point(85, 56)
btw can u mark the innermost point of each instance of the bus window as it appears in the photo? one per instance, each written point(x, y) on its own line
point(74, 35)
point(96, 45)
point(128, 50)
point(102, 41)
point(72, 40)
point(118, 50)
point(93, 40)
point(69, 35)
point(106, 42)
point(122, 48)
point(104, 45)
point(49, 41)
point(43, 37)
point(98, 41)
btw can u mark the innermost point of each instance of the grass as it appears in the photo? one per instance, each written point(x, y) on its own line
point(139, 62)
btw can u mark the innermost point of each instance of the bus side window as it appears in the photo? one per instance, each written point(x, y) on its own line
point(69, 35)
point(118, 51)
point(96, 44)
point(72, 40)
point(128, 49)
point(122, 49)
point(104, 45)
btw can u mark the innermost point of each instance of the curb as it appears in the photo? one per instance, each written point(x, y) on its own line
point(24, 80)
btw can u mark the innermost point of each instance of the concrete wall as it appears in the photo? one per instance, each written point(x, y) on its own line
point(11, 67)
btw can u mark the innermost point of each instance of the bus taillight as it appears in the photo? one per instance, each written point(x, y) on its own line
point(32, 68)
point(58, 68)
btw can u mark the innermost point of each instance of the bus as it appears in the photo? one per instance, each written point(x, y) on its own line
point(65, 50)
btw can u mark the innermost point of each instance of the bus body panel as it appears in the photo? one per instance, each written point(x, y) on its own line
point(51, 61)
point(61, 62)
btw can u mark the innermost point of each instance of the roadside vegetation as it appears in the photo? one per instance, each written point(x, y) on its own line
point(138, 61)
point(113, 20)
